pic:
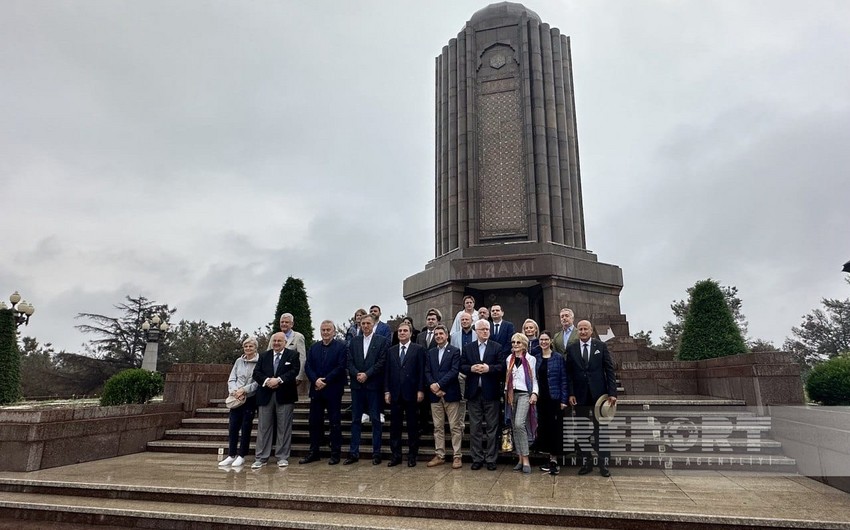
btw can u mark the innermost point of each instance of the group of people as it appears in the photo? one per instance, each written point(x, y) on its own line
point(480, 366)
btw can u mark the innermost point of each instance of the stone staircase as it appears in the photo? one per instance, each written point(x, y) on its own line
point(681, 432)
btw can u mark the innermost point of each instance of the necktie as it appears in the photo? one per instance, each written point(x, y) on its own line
point(566, 337)
point(401, 355)
point(496, 330)
point(276, 361)
point(440, 355)
point(430, 336)
point(586, 355)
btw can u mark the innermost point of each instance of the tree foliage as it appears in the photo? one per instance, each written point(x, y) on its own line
point(761, 346)
point(829, 382)
point(293, 299)
point(10, 359)
point(644, 335)
point(121, 337)
point(710, 329)
point(199, 342)
point(673, 328)
point(823, 333)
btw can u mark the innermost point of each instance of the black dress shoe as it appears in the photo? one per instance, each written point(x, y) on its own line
point(394, 462)
point(411, 462)
point(376, 460)
point(604, 472)
point(491, 466)
point(585, 470)
point(351, 460)
point(311, 457)
point(333, 461)
point(476, 466)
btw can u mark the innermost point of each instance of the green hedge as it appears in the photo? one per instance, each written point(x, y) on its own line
point(829, 381)
point(131, 386)
point(10, 359)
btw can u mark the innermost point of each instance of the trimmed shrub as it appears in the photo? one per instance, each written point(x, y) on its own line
point(709, 330)
point(131, 386)
point(10, 359)
point(829, 381)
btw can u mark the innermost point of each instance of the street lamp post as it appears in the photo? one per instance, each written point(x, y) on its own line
point(21, 309)
point(152, 329)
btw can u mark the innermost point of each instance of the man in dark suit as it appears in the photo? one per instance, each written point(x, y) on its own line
point(275, 374)
point(484, 367)
point(441, 370)
point(403, 391)
point(366, 359)
point(568, 333)
point(502, 330)
point(327, 362)
point(381, 328)
point(426, 336)
point(591, 372)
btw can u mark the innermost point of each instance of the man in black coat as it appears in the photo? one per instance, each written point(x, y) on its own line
point(483, 366)
point(275, 374)
point(591, 372)
point(403, 391)
point(327, 362)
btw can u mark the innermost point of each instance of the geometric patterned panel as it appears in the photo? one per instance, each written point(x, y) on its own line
point(503, 206)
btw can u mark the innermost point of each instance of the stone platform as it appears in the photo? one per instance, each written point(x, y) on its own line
point(163, 490)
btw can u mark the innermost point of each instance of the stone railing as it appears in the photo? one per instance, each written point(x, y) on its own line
point(759, 379)
point(38, 439)
point(194, 385)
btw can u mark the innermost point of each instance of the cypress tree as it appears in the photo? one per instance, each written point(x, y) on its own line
point(10, 359)
point(293, 299)
point(709, 329)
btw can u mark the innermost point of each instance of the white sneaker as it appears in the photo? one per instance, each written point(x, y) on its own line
point(382, 419)
point(238, 462)
point(258, 464)
point(282, 463)
point(226, 462)
point(365, 419)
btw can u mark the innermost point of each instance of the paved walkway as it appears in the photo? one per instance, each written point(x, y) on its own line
point(653, 492)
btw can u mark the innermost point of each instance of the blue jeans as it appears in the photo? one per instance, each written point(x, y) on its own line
point(368, 401)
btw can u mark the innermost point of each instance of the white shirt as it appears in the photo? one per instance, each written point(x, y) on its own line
point(367, 340)
point(518, 374)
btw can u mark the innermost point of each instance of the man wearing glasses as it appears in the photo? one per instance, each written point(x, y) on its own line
point(482, 364)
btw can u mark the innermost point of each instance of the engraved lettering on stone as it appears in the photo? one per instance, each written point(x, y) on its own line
point(503, 204)
point(501, 269)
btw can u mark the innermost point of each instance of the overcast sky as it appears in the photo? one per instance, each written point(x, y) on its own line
point(198, 153)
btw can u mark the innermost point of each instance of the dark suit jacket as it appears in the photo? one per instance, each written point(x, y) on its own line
point(598, 375)
point(330, 364)
point(506, 331)
point(422, 340)
point(383, 329)
point(371, 362)
point(287, 370)
point(403, 381)
point(444, 374)
point(491, 385)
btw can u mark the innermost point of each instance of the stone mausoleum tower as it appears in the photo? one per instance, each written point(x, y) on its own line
point(508, 206)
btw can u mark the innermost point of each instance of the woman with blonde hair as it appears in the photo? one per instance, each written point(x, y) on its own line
point(241, 386)
point(531, 330)
point(520, 398)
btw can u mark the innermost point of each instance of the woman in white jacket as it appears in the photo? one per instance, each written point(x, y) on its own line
point(241, 384)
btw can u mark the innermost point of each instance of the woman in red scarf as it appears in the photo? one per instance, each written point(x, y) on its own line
point(521, 397)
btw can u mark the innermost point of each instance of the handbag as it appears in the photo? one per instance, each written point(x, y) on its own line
point(233, 402)
point(507, 440)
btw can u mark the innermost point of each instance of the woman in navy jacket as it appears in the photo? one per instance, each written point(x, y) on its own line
point(554, 395)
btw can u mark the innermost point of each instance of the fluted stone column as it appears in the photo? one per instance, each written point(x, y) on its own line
point(509, 219)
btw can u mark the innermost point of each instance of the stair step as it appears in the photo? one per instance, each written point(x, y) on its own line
point(97, 511)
